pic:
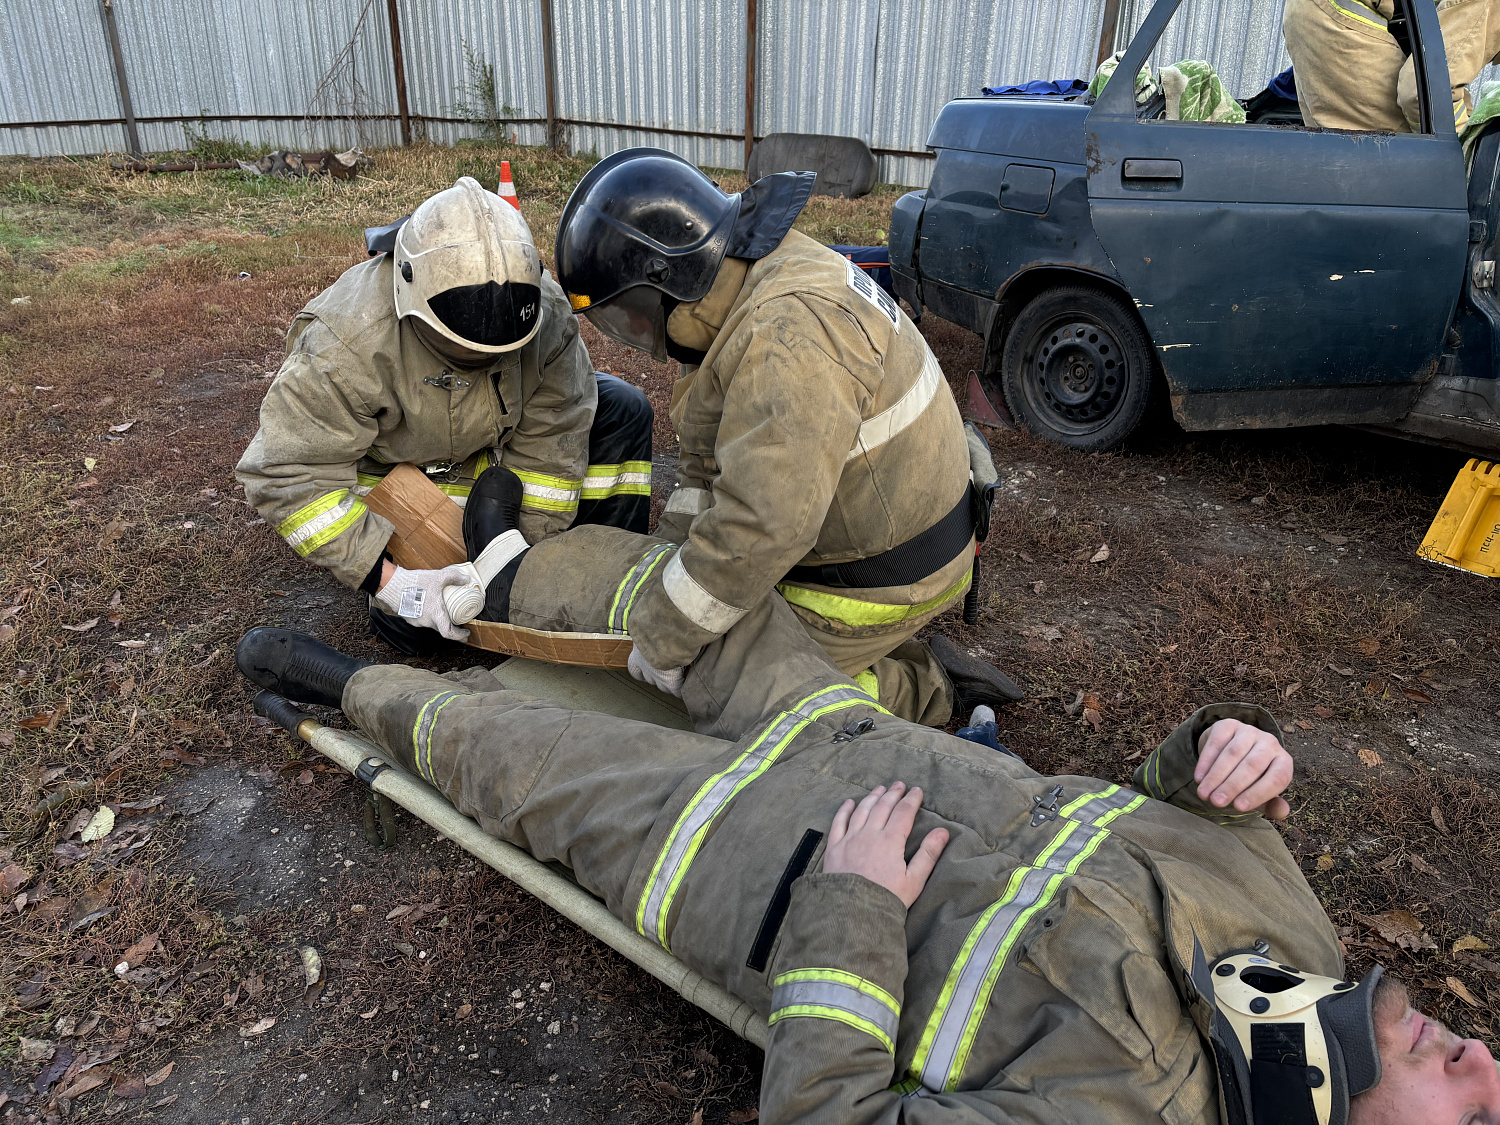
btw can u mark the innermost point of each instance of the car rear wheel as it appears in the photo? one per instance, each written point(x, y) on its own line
point(1077, 368)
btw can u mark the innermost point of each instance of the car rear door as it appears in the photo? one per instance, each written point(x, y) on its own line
point(1287, 276)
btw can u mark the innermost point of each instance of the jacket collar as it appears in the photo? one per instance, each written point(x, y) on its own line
point(695, 324)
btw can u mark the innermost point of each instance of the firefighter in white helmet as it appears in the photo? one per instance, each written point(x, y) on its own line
point(451, 349)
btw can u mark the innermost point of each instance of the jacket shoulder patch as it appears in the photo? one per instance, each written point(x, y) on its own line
point(860, 282)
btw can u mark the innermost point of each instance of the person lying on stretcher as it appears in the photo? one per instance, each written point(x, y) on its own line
point(1052, 949)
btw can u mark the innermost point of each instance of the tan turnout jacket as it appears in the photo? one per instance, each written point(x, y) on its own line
point(818, 429)
point(1042, 977)
point(359, 392)
point(1352, 74)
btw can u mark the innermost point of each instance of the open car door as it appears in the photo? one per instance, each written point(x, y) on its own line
point(1287, 276)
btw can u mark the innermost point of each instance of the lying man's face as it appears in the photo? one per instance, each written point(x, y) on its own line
point(1427, 1074)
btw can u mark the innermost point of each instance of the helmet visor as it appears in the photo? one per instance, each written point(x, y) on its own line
point(636, 318)
point(491, 314)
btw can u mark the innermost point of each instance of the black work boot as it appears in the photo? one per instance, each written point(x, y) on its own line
point(295, 665)
point(975, 682)
point(493, 508)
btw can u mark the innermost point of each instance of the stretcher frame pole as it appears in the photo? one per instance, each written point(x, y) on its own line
point(349, 750)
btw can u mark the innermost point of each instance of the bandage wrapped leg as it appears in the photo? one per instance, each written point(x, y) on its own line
point(494, 546)
point(465, 603)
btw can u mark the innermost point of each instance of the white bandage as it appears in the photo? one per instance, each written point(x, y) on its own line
point(467, 602)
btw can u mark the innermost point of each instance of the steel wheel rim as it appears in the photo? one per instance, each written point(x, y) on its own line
point(1074, 374)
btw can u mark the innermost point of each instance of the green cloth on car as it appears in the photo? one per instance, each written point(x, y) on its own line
point(1192, 88)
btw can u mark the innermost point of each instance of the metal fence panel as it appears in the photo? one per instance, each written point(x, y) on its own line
point(1242, 41)
point(55, 66)
point(932, 51)
point(444, 41)
point(644, 64)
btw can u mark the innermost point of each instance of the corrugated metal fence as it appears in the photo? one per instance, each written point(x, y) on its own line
point(321, 73)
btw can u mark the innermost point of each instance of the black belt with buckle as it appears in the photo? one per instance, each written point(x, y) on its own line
point(919, 557)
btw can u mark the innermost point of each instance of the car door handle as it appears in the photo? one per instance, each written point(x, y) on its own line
point(1138, 168)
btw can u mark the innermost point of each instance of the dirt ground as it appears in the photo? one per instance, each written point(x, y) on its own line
point(1120, 589)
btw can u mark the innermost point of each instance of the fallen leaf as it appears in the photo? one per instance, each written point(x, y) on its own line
point(1336, 540)
point(1167, 650)
point(1340, 671)
point(62, 1059)
point(83, 1084)
point(1471, 943)
point(1420, 864)
point(84, 628)
point(37, 1050)
point(1303, 724)
point(1400, 927)
point(7, 634)
point(99, 826)
point(1092, 717)
point(90, 463)
point(1325, 863)
point(1370, 758)
point(1458, 988)
point(1291, 689)
point(67, 1025)
point(137, 952)
point(305, 777)
point(398, 912)
point(697, 1118)
point(259, 1027)
point(371, 1014)
point(1367, 645)
point(1416, 696)
point(160, 1076)
point(79, 822)
point(131, 1088)
point(466, 1010)
point(255, 985)
point(744, 1116)
point(1101, 555)
point(122, 428)
point(12, 878)
point(38, 721)
point(312, 965)
point(1323, 712)
point(1439, 820)
point(131, 644)
point(165, 1102)
point(406, 947)
point(232, 998)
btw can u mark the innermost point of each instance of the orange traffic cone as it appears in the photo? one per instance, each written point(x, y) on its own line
point(507, 186)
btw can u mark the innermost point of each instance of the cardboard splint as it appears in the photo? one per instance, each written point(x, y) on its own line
point(429, 535)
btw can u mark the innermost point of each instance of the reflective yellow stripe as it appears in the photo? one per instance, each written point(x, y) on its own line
point(1375, 22)
point(868, 683)
point(852, 611)
point(549, 493)
point(628, 478)
point(421, 731)
point(948, 1037)
point(368, 480)
point(714, 795)
point(325, 519)
point(630, 586)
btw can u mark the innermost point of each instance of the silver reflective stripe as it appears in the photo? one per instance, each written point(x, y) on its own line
point(630, 586)
point(690, 501)
point(324, 520)
point(688, 834)
point(849, 1000)
point(695, 603)
point(908, 408)
point(421, 732)
point(950, 1031)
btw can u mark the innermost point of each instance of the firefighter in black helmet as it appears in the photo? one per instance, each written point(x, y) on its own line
point(822, 452)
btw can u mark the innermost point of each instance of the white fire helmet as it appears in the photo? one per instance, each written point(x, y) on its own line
point(1297, 1046)
point(466, 266)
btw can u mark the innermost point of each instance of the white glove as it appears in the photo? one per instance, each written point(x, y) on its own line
point(417, 595)
point(669, 681)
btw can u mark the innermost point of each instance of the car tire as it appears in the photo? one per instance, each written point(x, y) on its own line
point(1077, 368)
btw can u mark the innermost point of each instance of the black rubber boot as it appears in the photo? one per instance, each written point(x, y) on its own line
point(975, 682)
point(493, 508)
point(295, 665)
